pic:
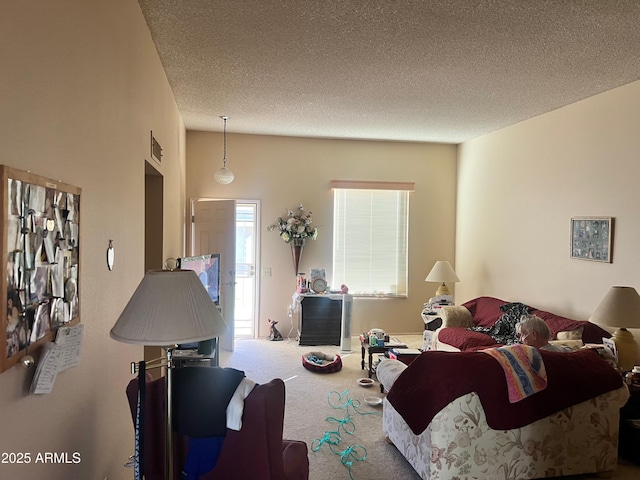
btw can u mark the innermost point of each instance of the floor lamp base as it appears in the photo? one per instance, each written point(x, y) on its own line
point(168, 475)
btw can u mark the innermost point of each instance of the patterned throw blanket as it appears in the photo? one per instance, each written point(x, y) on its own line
point(504, 330)
point(523, 368)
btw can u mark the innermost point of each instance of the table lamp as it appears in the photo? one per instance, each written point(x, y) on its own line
point(168, 308)
point(442, 272)
point(620, 309)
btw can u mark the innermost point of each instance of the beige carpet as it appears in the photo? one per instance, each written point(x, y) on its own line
point(308, 407)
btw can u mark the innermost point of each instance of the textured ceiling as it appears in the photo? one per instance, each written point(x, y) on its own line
point(413, 70)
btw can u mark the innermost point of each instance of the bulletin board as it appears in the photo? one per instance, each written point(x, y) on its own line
point(41, 257)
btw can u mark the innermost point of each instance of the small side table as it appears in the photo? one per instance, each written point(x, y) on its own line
point(364, 345)
point(191, 358)
point(629, 440)
point(432, 322)
point(431, 314)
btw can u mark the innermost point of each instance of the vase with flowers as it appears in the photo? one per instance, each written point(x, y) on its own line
point(295, 228)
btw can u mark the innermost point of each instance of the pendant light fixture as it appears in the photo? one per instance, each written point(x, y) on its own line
point(224, 176)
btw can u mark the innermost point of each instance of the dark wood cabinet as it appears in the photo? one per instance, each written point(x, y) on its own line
point(322, 318)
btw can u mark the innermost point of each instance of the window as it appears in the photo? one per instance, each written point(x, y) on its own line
point(370, 237)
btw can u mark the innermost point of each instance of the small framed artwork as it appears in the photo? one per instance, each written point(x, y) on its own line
point(591, 238)
point(318, 273)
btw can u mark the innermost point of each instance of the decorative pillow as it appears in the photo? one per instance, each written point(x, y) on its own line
point(569, 345)
point(485, 310)
point(456, 316)
point(504, 330)
point(575, 334)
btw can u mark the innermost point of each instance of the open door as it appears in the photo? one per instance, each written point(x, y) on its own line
point(214, 231)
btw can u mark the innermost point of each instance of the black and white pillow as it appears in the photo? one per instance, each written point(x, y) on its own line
point(504, 330)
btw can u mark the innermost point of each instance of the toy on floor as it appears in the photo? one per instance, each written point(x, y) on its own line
point(275, 335)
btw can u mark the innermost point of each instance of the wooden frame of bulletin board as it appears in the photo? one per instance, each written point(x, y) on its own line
point(40, 256)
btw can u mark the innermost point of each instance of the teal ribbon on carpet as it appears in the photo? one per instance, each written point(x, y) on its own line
point(353, 453)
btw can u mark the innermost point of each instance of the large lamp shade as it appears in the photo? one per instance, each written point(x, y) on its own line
point(620, 309)
point(169, 307)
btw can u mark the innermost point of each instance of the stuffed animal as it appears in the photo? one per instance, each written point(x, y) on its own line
point(275, 335)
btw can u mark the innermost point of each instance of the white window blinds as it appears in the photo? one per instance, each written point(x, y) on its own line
point(370, 226)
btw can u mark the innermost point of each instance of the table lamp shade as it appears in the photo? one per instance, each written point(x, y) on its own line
point(620, 308)
point(442, 271)
point(169, 307)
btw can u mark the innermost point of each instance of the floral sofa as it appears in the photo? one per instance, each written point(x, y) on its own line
point(484, 312)
point(448, 414)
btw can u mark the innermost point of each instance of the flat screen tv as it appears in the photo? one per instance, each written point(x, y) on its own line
point(207, 267)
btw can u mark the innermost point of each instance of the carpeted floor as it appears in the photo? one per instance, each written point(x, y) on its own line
point(310, 397)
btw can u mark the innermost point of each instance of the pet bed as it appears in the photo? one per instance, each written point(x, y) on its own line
point(321, 362)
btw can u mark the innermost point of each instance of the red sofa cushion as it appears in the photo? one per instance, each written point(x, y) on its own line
point(465, 339)
point(485, 310)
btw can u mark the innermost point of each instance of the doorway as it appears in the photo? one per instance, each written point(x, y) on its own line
point(153, 244)
point(238, 227)
point(247, 287)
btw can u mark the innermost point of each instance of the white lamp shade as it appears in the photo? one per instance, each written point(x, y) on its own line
point(620, 308)
point(442, 272)
point(169, 307)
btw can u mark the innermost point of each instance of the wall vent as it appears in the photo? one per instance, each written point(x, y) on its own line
point(156, 149)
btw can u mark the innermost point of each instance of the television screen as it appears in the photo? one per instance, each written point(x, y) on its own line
point(207, 267)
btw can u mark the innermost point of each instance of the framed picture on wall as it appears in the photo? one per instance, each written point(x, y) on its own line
point(591, 238)
point(40, 256)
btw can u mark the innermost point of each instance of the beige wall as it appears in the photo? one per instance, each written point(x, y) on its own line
point(518, 189)
point(282, 172)
point(82, 87)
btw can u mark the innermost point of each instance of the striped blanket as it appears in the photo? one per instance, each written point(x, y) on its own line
point(523, 368)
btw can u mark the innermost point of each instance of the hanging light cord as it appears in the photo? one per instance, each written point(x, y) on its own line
point(224, 136)
point(224, 176)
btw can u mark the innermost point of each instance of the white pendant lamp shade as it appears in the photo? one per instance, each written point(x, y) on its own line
point(169, 307)
point(224, 176)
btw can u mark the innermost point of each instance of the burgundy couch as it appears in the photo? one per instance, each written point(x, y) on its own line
point(257, 451)
point(454, 334)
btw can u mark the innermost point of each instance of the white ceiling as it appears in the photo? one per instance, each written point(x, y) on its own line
point(410, 70)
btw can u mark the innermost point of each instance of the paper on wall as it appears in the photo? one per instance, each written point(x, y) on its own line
point(56, 357)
